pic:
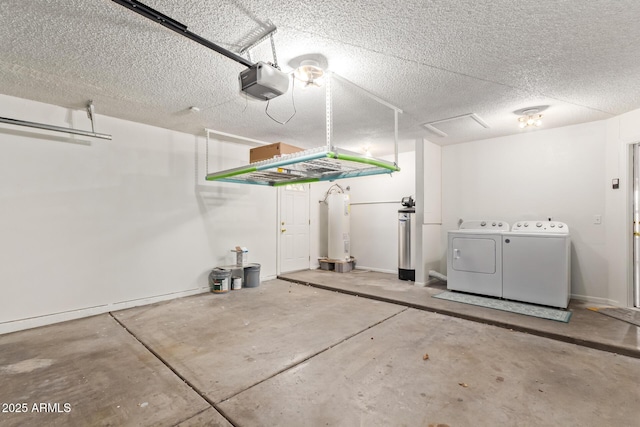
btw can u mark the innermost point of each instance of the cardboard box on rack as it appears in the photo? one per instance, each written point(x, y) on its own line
point(242, 256)
point(270, 151)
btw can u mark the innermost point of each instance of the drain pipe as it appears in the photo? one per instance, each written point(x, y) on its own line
point(439, 276)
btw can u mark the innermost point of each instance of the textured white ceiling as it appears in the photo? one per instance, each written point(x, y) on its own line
point(434, 59)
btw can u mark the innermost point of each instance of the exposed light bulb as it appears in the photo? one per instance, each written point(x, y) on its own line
point(309, 72)
point(530, 120)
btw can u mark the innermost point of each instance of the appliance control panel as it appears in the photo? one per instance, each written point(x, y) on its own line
point(541, 227)
point(493, 225)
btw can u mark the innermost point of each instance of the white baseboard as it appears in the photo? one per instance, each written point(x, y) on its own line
point(596, 300)
point(34, 322)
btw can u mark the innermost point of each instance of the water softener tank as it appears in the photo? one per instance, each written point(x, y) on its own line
point(339, 228)
point(407, 240)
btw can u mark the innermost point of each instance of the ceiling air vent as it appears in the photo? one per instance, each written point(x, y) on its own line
point(456, 126)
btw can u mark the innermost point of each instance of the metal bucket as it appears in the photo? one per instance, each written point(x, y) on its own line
point(219, 280)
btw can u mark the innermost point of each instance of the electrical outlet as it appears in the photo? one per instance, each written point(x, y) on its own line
point(597, 219)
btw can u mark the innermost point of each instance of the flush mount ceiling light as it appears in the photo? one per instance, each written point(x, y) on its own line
point(309, 72)
point(530, 116)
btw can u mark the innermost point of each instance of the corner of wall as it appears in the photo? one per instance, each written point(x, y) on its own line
point(428, 208)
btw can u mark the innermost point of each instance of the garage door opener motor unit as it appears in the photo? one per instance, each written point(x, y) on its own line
point(263, 81)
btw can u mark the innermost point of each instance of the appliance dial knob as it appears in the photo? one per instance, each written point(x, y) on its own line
point(553, 225)
point(499, 224)
point(519, 225)
point(539, 224)
point(560, 225)
point(482, 224)
point(494, 224)
point(526, 224)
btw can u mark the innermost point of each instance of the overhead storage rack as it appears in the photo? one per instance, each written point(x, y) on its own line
point(317, 164)
point(326, 163)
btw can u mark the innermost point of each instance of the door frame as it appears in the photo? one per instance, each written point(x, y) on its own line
point(633, 204)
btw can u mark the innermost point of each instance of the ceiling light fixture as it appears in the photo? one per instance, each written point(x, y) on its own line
point(530, 117)
point(309, 72)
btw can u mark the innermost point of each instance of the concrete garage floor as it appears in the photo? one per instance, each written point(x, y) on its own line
point(289, 354)
point(585, 327)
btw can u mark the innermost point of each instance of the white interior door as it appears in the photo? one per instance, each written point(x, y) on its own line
point(294, 227)
point(636, 225)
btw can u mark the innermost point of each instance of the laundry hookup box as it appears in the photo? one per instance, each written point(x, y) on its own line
point(242, 256)
point(270, 151)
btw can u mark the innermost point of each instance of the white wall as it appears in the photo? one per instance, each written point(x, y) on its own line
point(89, 225)
point(557, 173)
point(375, 201)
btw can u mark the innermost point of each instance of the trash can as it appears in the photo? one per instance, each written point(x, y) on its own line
point(252, 276)
point(219, 280)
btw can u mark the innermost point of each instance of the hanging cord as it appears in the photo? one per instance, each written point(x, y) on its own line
point(293, 102)
point(246, 102)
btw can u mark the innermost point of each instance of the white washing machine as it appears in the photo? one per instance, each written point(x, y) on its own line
point(474, 257)
point(536, 263)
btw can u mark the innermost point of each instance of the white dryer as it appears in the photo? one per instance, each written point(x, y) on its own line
point(474, 257)
point(536, 263)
